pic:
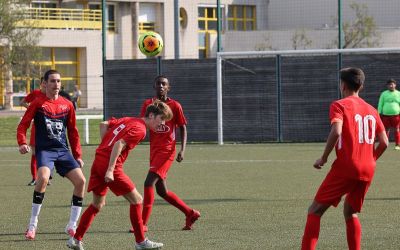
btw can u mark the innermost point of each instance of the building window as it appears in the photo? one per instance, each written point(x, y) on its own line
point(64, 60)
point(46, 5)
point(207, 19)
point(110, 15)
point(241, 17)
point(111, 25)
point(146, 26)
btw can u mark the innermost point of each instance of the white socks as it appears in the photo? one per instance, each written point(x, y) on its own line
point(73, 219)
point(35, 214)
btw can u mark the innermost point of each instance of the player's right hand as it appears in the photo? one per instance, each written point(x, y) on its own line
point(23, 149)
point(80, 162)
point(319, 163)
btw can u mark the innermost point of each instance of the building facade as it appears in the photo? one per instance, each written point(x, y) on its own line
point(71, 37)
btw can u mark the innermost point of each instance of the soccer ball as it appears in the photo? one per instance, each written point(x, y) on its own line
point(150, 43)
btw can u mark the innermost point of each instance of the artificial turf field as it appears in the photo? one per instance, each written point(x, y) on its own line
point(250, 197)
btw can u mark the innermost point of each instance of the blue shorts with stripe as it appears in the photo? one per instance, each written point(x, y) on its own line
point(60, 159)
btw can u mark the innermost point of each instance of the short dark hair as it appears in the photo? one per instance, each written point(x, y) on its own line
point(353, 78)
point(50, 72)
point(391, 80)
point(159, 77)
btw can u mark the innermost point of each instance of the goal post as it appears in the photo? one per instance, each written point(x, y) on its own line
point(279, 58)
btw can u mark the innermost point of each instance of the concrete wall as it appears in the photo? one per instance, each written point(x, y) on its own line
point(282, 40)
point(286, 14)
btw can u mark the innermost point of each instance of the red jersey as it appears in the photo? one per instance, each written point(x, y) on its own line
point(37, 93)
point(132, 130)
point(164, 137)
point(53, 120)
point(355, 147)
point(33, 95)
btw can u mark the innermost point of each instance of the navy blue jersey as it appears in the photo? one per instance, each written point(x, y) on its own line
point(54, 121)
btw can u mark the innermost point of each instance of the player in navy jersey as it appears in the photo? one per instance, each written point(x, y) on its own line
point(54, 121)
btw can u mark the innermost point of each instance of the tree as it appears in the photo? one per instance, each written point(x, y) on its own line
point(362, 31)
point(300, 40)
point(18, 40)
point(264, 45)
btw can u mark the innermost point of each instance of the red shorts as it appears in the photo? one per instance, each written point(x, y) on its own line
point(121, 185)
point(161, 162)
point(333, 188)
point(391, 121)
point(32, 139)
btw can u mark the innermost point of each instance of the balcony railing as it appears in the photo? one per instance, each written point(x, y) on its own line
point(60, 18)
point(146, 26)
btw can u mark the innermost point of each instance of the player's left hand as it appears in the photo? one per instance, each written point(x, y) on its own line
point(109, 177)
point(180, 156)
point(80, 162)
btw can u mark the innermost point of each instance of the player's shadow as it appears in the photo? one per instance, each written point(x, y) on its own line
point(21, 237)
point(160, 202)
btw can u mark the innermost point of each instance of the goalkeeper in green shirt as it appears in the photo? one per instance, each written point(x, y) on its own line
point(389, 109)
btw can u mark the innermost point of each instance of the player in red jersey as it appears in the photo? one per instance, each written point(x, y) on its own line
point(354, 126)
point(119, 136)
point(54, 121)
point(25, 103)
point(162, 154)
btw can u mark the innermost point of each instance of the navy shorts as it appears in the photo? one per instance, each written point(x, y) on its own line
point(62, 160)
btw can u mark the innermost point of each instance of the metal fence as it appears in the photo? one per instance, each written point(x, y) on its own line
point(260, 102)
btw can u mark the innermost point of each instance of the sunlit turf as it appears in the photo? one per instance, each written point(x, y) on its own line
point(250, 197)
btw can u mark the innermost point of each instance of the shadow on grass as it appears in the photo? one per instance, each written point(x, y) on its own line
point(160, 202)
point(383, 199)
point(63, 236)
point(188, 201)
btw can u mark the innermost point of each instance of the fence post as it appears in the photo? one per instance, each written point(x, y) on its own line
point(86, 129)
point(219, 100)
point(340, 43)
point(278, 94)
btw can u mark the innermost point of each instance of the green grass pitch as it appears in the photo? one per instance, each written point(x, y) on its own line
point(250, 197)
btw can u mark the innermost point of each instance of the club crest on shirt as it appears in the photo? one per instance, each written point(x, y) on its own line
point(63, 107)
point(163, 129)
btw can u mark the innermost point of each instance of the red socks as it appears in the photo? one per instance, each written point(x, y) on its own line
point(171, 198)
point(175, 201)
point(85, 222)
point(311, 232)
point(148, 201)
point(353, 231)
point(397, 137)
point(33, 167)
point(135, 214)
